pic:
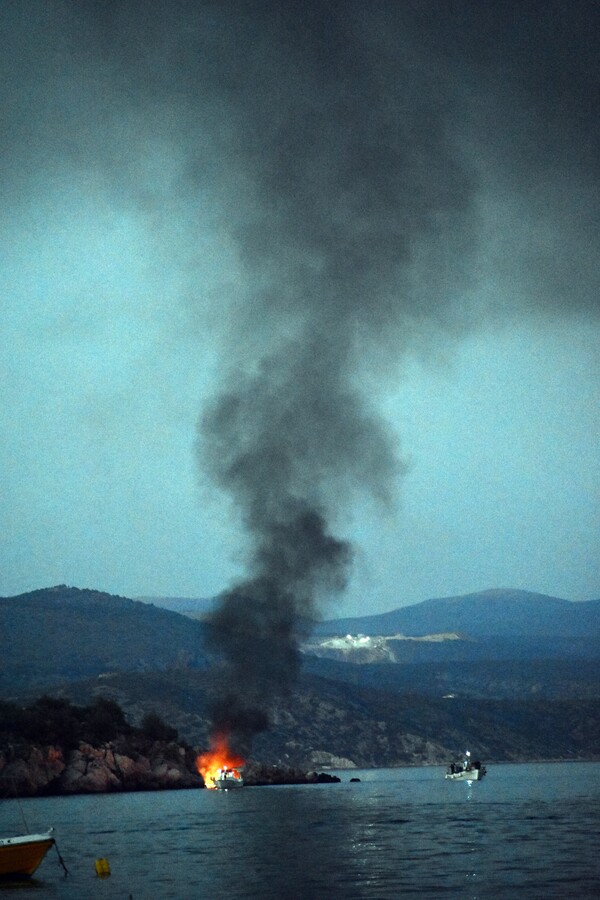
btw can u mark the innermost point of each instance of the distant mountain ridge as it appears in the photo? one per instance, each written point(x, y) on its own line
point(496, 612)
point(68, 632)
point(491, 613)
point(62, 633)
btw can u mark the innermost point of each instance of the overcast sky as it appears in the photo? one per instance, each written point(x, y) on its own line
point(403, 193)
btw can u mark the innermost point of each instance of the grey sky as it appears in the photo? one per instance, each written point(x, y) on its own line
point(157, 193)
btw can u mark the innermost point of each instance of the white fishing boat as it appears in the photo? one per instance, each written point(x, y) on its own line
point(226, 779)
point(466, 770)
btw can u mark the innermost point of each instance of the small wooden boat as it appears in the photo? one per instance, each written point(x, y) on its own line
point(20, 856)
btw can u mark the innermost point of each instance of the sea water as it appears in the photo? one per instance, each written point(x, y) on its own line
point(526, 831)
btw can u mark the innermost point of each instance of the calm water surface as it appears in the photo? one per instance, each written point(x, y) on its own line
point(526, 831)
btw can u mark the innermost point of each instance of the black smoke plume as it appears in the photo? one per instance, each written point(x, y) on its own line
point(353, 237)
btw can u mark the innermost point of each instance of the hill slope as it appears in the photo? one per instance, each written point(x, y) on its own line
point(64, 633)
point(504, 679)
point(325, 722)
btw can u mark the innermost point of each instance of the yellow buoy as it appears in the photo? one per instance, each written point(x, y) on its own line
point(102, 868)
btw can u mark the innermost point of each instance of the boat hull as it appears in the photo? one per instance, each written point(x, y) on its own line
point(20, 856)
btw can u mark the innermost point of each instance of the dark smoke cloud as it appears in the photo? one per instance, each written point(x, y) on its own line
point(355, 235)
point(352, 153)
point(359, 232)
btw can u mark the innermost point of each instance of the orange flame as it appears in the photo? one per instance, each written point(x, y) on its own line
point(218, 757)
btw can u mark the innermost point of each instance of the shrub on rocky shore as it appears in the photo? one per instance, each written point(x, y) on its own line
point(55, 747)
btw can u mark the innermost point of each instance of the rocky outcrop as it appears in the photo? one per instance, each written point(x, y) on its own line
point(29, 770)
point(257, 774)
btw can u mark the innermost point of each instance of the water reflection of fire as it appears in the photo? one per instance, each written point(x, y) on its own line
point(219, 757)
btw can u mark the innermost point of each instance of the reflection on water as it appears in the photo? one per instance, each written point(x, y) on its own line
point(405, 832)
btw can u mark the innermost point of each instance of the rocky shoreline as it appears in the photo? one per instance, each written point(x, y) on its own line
point(30, 770)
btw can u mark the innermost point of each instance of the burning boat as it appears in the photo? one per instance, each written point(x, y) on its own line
point(227, 778)
point(220, 767)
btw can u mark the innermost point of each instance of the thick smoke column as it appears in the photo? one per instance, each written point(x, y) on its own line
point(356, 213)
